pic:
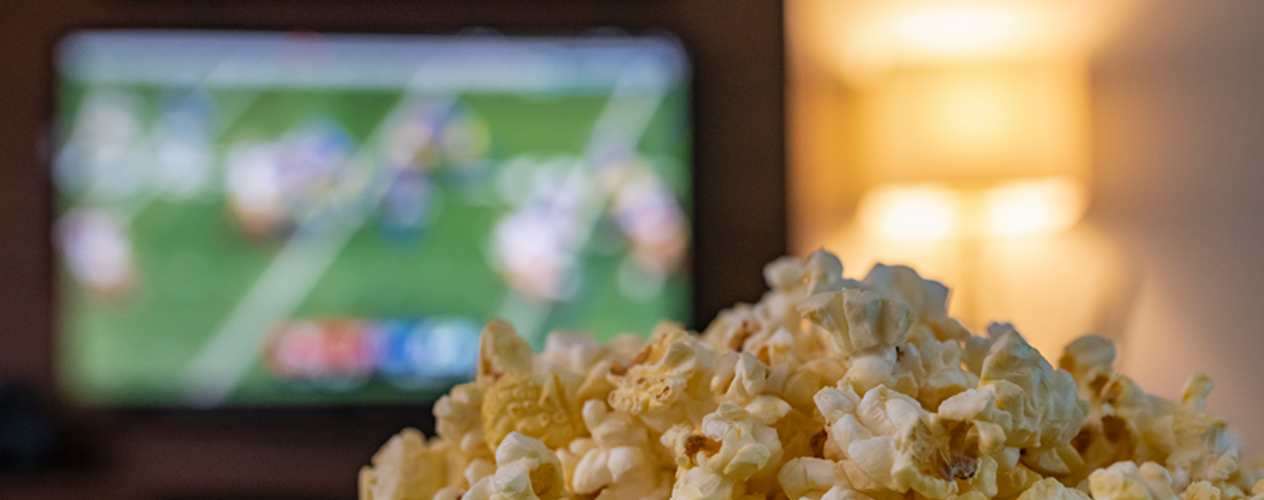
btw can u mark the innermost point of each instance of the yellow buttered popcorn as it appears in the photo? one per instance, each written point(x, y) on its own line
point(828, 388)
point(515, 399)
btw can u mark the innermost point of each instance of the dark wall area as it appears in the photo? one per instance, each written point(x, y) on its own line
point(739, 226)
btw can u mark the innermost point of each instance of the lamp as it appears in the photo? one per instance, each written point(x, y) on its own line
point(969, 111)
point(963, 137)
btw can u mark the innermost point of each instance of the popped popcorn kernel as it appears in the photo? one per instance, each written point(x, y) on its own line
point(1201, 490)
point(929, 299)
point(619, 463)
point(501, 350)
point(668, 382)
point(827, 388)
point(517, 403)
point(525, 470)
point(406, 468)
point(1089, 360)
point(458, 420)
point(822, 272)
point(739, 377)
point(888, 436)
point(811, 478)
point(1050, 489)
point(1044, 408)
point(1126, 481)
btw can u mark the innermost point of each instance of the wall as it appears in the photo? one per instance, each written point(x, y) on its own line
point(1167, 260)
point(1179, 141)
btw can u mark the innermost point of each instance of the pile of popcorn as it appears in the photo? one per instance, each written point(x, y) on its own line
point(827, 389)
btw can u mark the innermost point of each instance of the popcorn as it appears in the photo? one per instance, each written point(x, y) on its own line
point(1088, 359)
point(514, 400)
point(500, 351)
point(668, 382)
point(1051, 489)
point(458, 419)
point(1202, 450)
point(811, 478)
point(748, 328)
point(619, 462)
point(826, 389)
point(889, 437)
point(928, 298)
point(518, 404)
point(935, 366)
point(525, 470)
point(738, 378)
point(581, 364)
point(734, 328)
point(869, 330)
point(570, 353)
point(731, 448)
point(1045, 411)
point(1125, 423)
point(1201, 490)
point(859, 320)
point(1126, 481)
point(974, 428)
point(449, 493)
point(406, 468)
point(823, 272)
point(804, 382)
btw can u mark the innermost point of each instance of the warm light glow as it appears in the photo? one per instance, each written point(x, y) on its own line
point(934, 211)
point(1082, 277)
point(991, 124)
point(961, 137)
point(957, 29)
point(1031, 207)
point(863, 39)
point(911, 212)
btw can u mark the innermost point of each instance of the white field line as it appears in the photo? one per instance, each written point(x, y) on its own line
point(293, 273)
point(221, 364)
point(627, 114)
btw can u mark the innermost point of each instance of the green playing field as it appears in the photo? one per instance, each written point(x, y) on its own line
point(195, 263)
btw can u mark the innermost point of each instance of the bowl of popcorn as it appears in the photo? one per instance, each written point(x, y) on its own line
point(828, 388)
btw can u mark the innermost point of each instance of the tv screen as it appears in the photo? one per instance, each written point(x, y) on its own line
point(275, 219)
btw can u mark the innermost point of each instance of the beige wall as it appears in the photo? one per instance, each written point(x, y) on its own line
point(1178, 105)
point(1169, 260)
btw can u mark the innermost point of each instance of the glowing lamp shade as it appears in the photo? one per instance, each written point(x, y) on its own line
point(956, 29)
point(863, 39)
point(974, 124)
point(911, 212)
point(953, 135)
point(1004, 148)
point(1034, 206)
point(935, 211)
point(970, 116)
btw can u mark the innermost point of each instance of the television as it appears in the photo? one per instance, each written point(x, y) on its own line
point(279, 219)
